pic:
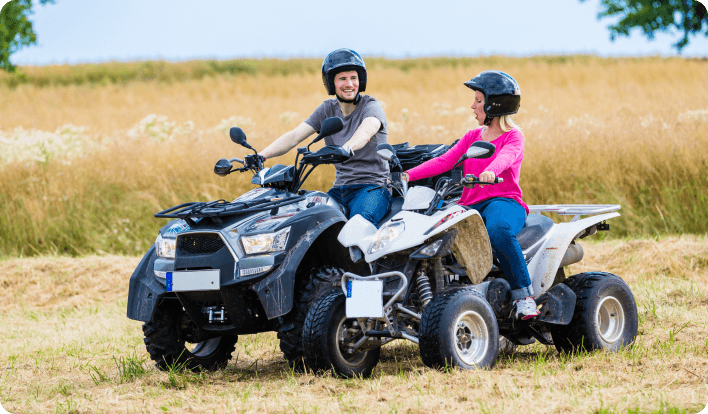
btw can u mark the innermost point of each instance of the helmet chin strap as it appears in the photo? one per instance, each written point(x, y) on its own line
point(355, 101)
point(488, 120)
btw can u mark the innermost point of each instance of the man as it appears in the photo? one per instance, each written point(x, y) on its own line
point(360, 181)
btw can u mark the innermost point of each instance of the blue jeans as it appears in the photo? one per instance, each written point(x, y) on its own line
point(370, 200)
point(504, 219)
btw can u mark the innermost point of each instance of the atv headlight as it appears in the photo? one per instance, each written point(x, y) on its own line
point(267, 242)
point(165, 247)
point(385, 234)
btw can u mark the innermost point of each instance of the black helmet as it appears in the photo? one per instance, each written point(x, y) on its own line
point(502, 95)
point(342, 60)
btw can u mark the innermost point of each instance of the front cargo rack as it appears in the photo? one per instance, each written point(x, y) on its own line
point(223, 208)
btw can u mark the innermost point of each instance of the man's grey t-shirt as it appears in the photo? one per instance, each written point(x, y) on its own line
point(366, 167)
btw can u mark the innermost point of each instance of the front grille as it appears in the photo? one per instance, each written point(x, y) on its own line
point(200, 243)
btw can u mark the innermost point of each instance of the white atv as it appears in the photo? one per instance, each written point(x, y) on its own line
point(435, 281)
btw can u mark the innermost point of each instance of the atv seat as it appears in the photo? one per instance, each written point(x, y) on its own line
point(396, 205)
point(534, 229)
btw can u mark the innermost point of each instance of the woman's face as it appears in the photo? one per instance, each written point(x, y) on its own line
point(478, 107)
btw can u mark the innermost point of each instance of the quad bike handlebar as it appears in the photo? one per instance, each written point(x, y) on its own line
point(469, 181)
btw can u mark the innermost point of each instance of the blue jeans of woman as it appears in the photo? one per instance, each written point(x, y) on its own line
point(504, 218)
point(371, 201)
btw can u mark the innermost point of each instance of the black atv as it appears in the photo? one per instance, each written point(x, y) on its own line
point(256, 264)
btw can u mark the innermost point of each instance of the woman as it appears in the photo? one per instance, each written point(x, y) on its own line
point(497, 96)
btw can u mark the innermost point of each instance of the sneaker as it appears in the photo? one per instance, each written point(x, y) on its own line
point(526, 308)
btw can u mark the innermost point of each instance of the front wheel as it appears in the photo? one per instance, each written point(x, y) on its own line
point(167, 346)
point(458, 329)
point(605, 315)
point(307, 291)
point(328, 337)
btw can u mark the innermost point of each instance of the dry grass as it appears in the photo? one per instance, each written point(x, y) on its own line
point(83, 163)
point(68, 347)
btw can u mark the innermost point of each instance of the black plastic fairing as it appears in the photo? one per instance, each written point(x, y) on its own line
point(276, 290)
point(144, 290)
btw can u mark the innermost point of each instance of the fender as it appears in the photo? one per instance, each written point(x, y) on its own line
point(276, 291)
point(545, 263)
point(144, 291)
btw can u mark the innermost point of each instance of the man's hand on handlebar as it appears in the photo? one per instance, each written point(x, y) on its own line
point(254, 161)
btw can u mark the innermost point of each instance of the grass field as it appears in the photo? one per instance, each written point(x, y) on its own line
point(68, 347)
point(85, 164)
point(91, 152)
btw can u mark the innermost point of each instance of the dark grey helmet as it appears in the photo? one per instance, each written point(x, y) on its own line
point(502, 95)
point(342, 60)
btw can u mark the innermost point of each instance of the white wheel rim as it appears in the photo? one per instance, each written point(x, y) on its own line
point(609, 319)
point(471, 338)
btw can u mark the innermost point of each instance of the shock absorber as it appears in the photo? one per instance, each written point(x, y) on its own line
point(425, 293)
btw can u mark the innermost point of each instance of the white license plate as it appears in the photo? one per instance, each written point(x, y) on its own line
point(364, 299)
point(194, 280)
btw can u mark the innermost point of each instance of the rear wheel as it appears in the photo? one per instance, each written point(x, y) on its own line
point(605, 315)
point(307, 291)
point(328, 337)
point(458, 329)
point(167, 346)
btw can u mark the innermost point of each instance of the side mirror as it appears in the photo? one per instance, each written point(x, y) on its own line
point(478, 149)
point(238, 136)
point(385, 151)
point(329, 126)
point(222, 167)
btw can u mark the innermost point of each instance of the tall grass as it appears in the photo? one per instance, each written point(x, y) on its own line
point(85, 166)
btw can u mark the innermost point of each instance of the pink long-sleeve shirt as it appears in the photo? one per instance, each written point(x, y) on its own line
point(505, 164)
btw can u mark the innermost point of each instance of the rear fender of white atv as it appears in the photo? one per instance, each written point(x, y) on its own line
point(544, 265)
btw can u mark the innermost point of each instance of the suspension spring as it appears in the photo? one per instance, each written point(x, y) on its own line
point(425, 293)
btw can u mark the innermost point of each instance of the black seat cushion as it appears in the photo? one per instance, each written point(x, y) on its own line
point(396, 205)
point(534, 229)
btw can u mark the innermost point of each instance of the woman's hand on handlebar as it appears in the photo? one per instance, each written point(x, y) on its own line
point(405, 177)
point(487, 177)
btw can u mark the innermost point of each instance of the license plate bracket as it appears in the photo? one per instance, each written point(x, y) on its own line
point(364, 299)
point(193, 280)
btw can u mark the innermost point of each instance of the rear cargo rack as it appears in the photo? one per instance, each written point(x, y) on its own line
point(576, 210)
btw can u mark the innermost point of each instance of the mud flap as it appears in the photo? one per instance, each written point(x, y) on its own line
point(144, 290)
point(472, 248)
point(557, 305)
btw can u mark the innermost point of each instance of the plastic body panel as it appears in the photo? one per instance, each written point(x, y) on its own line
point(544, 264)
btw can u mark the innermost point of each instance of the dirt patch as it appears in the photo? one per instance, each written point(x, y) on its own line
point(56, 282)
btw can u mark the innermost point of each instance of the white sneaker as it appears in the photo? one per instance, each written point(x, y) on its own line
point(526, 308)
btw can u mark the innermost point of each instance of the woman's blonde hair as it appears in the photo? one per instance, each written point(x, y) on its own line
point(507, 124)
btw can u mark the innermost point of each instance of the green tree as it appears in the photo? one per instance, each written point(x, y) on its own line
point(16, 29)
point(688, 17)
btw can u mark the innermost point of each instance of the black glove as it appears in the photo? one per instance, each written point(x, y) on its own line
point(254, 161)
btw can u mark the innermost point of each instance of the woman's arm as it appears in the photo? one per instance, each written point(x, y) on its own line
point(442, 163)
point(511, 151)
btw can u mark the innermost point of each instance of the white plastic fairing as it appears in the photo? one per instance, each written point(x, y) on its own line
point(356, 229)
point(545, 263)
point(418, 198)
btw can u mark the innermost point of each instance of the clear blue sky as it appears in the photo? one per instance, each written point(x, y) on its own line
point(75, 31)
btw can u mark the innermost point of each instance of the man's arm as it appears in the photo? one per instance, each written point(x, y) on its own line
point(368, 128)
point(288, 141)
